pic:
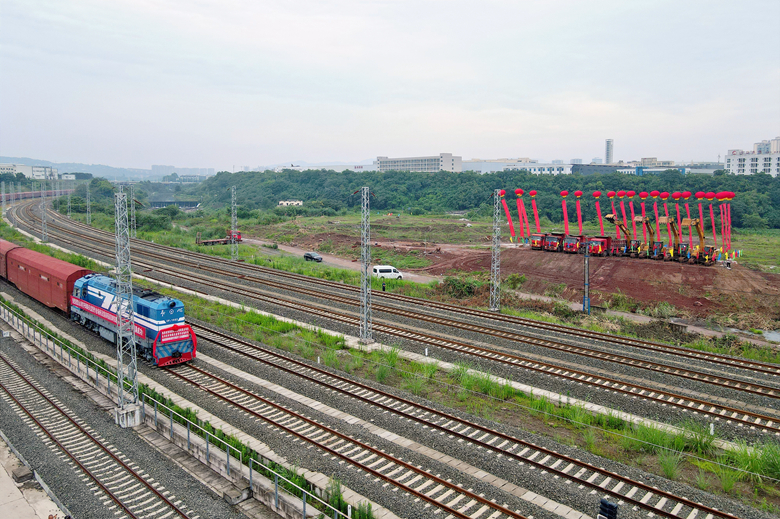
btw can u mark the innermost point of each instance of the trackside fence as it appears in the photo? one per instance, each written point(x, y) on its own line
point(240, 465)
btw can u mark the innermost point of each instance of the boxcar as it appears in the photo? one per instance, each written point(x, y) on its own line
point(42, 277)
point(5, 248)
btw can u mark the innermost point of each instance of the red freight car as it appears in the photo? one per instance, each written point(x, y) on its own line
point(5, 248)
point(42, 277)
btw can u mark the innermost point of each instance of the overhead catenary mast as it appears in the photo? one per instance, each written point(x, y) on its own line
point(89, 208)
point(127, 413)
point(495, 257)
point(366, 324)
point(11, 214)
point(234, 225)
point(132, 211)
point(44, 236)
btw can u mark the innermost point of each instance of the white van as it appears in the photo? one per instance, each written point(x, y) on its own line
point(387, 271)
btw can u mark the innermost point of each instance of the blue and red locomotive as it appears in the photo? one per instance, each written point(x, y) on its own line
point(162, 336)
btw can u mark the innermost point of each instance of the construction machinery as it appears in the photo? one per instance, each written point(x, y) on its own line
point(702, 254)
point(647, 249)
point(606, 246)
point(553, 242)
point(677, 250)
point(231, 237)
point(631, 247)
point(575, 244)
point(537, 241)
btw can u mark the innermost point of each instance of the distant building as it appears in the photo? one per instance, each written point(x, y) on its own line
point(493, 165)
point(640, 170)
point(168, 170)
point(543, 169)
point(765, 158)
point(596, 160)
point(593, 169)
point(653, 162)
point(338, 168)
point(429, 164)
point(575, 161)
point(67, 176)
point(285, 203)
point(192, 178)
point(557, 161)
point(34, 172)
point(608, 152)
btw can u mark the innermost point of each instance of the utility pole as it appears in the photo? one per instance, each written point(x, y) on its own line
point(495, 257)
point(11, 214)
point(132, 211)
point(127, 413)
point(366, 325)
point(3, 195)
point(234, 225)
point(44, 236)
point(89, 208)
point(68, 188)
point(586, 297)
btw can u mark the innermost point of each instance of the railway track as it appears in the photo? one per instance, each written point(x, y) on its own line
point(201, 261)
point(651, 347)
point(712, 410)
point(133, 494)
point(453, 499)
point(632, 493)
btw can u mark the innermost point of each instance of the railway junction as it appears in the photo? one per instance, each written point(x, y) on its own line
point(408, 456)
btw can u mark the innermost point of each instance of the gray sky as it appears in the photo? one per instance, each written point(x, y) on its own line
point(204, 83)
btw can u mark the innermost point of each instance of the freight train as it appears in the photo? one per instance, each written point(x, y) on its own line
point(162, 336)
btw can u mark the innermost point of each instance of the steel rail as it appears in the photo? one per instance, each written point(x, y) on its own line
point(275, 422)
point(766, 368)
point(698, 376)
point(575, 375)
point(86, 433)
point(205, 332)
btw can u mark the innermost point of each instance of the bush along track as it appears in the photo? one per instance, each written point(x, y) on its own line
point(690, 456)
point(213, 434)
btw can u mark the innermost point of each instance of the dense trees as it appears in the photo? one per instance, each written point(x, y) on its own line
point(757, 203)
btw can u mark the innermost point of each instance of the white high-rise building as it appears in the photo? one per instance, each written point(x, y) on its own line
point(608, 153)
point(765, 158)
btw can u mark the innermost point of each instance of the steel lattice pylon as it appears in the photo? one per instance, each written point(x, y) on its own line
point(233, 225)
point(44, 236)
point(127, 367)
point(132, 211)
point(11, 214)
point(495, 257)
point(366, 325)
point(89, 208)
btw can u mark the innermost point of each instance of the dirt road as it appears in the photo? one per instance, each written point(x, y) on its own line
point(335, 261)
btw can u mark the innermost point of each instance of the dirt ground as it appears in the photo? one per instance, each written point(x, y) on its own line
point(697, 289)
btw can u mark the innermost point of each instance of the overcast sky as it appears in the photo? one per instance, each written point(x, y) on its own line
point(202, 83)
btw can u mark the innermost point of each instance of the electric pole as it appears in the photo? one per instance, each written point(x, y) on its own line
point(89, 208)
point(132, 211)
point(68, 201)
point(44, 237)
point(127, 413)
point(234, 225)
point(366, 324)
point(495, 257)
point(11, 214)
point(3, 195)
point(586, 297)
